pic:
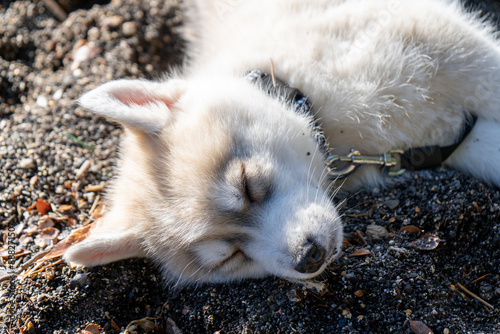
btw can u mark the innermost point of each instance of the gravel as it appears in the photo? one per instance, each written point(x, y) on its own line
point(51, 150)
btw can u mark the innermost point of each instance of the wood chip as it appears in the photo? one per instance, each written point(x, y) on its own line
point(64, 208)
point(34, 180)
point(83, 169)
point(361, 252)
point(426, 242)
point(418, 327)
point(412, 229)
point(98, 187)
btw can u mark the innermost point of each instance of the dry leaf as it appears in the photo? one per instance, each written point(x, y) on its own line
point(345, 243)
point(361, 252)
point(71, 222)
point(115, 326)
point(418, 327)
point(49, 233)
point(42, 207)
point(92, 329)
point(357, 237)
point(45, 222)
point(64, 208)
point(428, 241)
point(412, 229)
point(75, 237)
point(146, 324)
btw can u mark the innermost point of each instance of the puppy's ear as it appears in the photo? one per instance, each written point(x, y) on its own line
point(137, 104)
point(103, 247)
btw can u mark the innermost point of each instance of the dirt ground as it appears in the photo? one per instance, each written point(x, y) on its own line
point(56, 158)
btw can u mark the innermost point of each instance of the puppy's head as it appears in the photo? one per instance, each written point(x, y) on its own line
point(217, 182)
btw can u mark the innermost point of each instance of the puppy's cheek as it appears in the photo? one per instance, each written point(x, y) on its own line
point(211, 254)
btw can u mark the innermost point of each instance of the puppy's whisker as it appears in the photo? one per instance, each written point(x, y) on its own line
point(182, 272)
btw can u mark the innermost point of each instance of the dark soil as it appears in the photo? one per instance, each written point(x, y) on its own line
point(41, 75)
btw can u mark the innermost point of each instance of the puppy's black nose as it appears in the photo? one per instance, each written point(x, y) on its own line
point(312, 260)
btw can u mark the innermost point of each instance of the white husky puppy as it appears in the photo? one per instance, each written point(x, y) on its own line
point(221, 180)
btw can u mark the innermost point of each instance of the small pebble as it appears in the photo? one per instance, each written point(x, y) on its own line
point(58, 94)
point(93, 34)
point(27, 163)
point(376, 231)
point(392, 204)
point(79, 280)
point(113, 21)
point(42, 101)
point(129, 29)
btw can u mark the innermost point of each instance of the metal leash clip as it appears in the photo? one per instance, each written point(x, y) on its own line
point(390, 162)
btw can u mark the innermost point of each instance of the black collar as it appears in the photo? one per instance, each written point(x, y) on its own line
point(433, 156)
point(293, 97)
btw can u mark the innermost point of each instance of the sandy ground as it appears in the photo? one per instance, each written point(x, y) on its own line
point(56, 159)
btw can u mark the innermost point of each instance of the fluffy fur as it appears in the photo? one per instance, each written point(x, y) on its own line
point(219, 181)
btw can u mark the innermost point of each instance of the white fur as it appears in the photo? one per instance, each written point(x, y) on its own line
point(219, 181)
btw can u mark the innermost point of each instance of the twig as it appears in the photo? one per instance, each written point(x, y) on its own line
point(42, 269)
point(94, 205)
point(476, 297)
point(480, 278)
point(55, 9)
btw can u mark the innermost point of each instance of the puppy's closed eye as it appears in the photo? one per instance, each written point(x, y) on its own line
point(244, 184)
point(254, 185)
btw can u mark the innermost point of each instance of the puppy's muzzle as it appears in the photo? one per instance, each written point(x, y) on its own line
point(312, 259)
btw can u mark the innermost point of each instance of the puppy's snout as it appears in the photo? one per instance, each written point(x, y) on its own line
point(313, 258)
